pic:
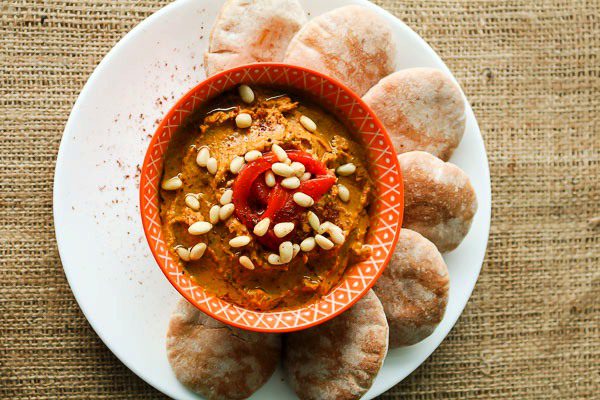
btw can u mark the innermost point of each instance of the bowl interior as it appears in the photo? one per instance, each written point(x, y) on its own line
point(384, 168)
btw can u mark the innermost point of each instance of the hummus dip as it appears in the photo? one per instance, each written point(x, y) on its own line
point(265, 198)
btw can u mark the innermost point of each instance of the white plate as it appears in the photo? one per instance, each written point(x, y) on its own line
point(114, 278)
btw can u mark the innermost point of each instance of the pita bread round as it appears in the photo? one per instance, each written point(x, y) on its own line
point(413, 289)
point(352, 44)
point(249, 31)
point(421, 109)
point(340, 358)
point(218, 361)
point(439, 201)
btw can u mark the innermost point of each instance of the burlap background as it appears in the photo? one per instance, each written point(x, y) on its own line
point(532, 74)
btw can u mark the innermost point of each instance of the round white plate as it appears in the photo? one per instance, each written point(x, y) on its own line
point(114, 278)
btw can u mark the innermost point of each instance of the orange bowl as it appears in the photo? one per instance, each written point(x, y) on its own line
point(386, 210)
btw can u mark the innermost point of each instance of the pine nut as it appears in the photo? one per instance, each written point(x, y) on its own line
point(200, 228)
point(262, 227)
point(335, 232)
point(324, 227)
point(333, 227)
point(274, 259)
point(283, 228)
point(226, 197)
point(313, 221)
point(197, 251)
point(211, 165)
point(323, 242)
point(236, 164)
point(291, 183)
point(346, 169)
point(286, 252)
point(303, 200)
point(246, 262)
point(252, 155)
point(270, 178)
point(308, 123)
point(203, 156)
point(343, 193)
point(191, 200)
point(226, 211)
point(243, 120)
point(246, 94)
point(307, 244)
point(296, 249)
point(173, 183)
point(239, 241)
point(305, 177)
point(282, 169)
point(298, 168)
point(183, 253)
point(279, 152)
point(213, 214)
point(337, 236)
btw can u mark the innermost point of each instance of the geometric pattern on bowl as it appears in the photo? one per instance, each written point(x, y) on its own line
point(384, 168)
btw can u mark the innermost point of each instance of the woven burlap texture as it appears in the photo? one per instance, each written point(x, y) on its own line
point(531, 70)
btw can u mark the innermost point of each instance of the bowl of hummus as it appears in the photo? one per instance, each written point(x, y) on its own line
point(271, 197)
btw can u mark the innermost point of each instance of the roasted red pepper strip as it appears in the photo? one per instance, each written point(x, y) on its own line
point(278, 198)
point(242, 187)
point(260, 192)
point(313, 166)
point(317, 187)
point(251, 195)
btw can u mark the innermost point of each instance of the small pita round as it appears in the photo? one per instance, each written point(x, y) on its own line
point(249, 31)
point(351, 43)
point(413, 289)
point(421, 109)
point(340, 358)
point(218, 361)
point(439, 201)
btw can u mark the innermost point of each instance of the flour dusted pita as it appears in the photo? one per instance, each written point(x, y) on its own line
point(439, 201)
point(351, 43)
point(413, 289)
point(248, 31)
point(339, 359)
point(421, 109)
point(218, 361)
